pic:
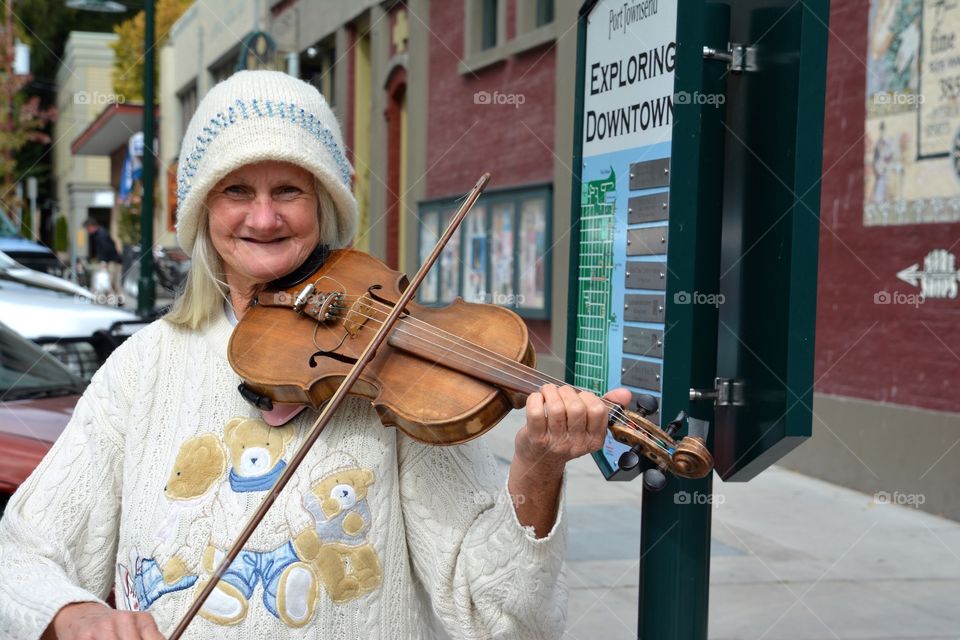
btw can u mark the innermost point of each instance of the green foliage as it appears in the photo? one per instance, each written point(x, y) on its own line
point(128, 224)
point(61, 235)
point(128, 50)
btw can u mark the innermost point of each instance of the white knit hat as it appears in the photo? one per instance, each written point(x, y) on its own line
point(254, 116)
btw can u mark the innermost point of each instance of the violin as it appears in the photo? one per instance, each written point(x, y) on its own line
point(444, 375)
point(441, 375)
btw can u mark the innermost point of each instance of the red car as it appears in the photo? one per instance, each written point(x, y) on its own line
point(37, 396)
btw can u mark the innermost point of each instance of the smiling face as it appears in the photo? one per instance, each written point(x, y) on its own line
point(263, 222)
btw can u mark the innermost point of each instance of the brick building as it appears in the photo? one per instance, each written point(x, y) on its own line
point(885, 403)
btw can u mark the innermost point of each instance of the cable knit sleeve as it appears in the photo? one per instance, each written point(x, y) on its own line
point(487, 575)
point(58, 535)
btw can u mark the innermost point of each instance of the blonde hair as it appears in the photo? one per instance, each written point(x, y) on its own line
point(206, 287)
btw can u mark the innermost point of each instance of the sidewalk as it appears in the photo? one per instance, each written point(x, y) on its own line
point(794, 558)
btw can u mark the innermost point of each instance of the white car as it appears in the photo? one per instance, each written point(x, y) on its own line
point(78, 332)
point(10, 269)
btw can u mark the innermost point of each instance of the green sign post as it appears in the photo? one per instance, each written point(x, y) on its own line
point(695, 245)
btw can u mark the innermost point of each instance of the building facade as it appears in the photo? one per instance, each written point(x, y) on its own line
point(432, 94)
point(887, 417)
point(84, 89)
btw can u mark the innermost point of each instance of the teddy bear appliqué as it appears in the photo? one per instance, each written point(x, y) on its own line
point(337, 545)
point(333, 553)
point(198, 467)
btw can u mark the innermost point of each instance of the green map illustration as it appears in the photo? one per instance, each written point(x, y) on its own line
point(595, 268)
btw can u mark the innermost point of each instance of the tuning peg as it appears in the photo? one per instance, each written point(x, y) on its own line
point(654, 479)
point(647, 404)
point(674, 425)
point(629, 459)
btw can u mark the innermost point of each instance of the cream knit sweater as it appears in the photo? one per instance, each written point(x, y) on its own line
point(162, 464)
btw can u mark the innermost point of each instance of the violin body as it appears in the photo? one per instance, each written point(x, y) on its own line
point(423, 380)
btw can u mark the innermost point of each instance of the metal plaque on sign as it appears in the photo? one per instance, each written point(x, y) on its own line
point(643, 342)
point(651, 208)
point(641, 308)
point(638, 373)
point(647, 242)
point(650, 174)
point(646, 275)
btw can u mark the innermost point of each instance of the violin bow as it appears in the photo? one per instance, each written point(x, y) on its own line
point(330, 408)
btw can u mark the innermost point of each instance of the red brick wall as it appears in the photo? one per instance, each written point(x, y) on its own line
point(892, 353)
point(514, 143)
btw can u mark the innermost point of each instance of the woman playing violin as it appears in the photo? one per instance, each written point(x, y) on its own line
point(163, 461)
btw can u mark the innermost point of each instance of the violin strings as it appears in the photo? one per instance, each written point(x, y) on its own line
point(453, 338)
point(447, 337)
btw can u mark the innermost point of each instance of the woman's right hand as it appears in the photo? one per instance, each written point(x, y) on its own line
point(94, 621)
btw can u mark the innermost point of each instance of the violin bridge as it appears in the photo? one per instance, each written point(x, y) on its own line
point(360, 313)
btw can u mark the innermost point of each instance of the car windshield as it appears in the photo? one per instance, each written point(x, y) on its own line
point(27, 372)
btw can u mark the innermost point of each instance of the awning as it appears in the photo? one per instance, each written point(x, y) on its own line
point(110, 130)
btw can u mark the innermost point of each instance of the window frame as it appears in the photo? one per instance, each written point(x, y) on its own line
point(442, 208)
point(191, 87)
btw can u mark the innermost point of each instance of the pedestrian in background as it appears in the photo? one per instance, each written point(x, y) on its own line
point(105, 251)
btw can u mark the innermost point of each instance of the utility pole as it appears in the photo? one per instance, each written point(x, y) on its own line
point(146, 290)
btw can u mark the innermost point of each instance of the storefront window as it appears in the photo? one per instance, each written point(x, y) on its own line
point(499, 254)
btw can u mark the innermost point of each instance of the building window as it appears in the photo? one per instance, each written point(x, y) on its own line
point(497, 256)
point(484, 28)
point(488, 24)
point(544, 12)
point(318, 67)
point(188, 105)
point(536, 25)
point(224, 67)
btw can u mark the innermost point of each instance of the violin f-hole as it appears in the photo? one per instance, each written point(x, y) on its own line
point(333, 355)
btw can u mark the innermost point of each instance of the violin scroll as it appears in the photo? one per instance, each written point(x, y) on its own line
point(686, 458)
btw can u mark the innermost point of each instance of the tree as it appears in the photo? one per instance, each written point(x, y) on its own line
point(22, 120)
point(128, 50)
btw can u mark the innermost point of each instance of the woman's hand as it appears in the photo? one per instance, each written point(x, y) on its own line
point(94, 621)
point(562, 424)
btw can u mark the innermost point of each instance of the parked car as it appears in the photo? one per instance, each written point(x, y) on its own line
point(27, 252)
point(77, 332)
point(10, 269)
point(37, 397)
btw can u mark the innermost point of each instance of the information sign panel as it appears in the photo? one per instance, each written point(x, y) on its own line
point(627, 128)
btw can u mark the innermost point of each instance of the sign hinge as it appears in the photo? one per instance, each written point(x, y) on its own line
point(739, 57)
point(726, 392)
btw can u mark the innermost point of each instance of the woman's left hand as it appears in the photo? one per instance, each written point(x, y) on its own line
point(562, 424)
